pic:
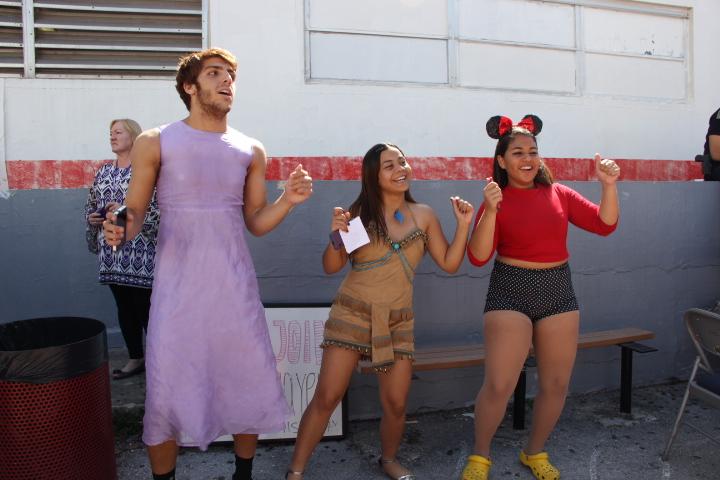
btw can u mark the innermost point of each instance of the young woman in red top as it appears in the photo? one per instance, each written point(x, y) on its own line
point(530, 299)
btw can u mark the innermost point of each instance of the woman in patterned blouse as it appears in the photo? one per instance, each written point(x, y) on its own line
point(128, 271)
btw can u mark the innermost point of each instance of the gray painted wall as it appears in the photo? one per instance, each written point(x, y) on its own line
point(663, 259)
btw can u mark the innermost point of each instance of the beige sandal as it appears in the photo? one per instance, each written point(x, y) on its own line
point(384, 461)
point(293, 472)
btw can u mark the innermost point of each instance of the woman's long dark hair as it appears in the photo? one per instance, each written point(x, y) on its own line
point(544, 175)
point(368, 205)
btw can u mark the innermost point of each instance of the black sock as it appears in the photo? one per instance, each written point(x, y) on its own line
point(164, 476)
point(243, 468)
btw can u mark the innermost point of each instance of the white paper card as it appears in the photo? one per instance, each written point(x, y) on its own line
point(356, 236)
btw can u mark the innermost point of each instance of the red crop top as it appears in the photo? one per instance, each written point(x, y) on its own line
point(532, 224)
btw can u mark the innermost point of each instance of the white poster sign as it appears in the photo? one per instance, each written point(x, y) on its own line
point(296, 333)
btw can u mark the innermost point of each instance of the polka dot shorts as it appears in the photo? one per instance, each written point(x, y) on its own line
point(538, 293)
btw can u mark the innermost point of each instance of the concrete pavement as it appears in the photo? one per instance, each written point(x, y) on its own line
point(592, 441)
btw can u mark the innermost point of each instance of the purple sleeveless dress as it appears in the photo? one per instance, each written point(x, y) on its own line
point(211, 370)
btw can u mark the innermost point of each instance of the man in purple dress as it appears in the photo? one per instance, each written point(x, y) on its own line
point(210, 366)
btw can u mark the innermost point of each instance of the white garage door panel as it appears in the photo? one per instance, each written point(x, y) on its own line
point(501, 66)
point(369, 57)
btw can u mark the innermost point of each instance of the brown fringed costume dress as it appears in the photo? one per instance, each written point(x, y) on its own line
point(372, 311)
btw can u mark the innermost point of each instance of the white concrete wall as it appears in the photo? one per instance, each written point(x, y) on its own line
point(67, 118)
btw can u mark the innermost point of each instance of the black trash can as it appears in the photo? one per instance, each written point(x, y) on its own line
point(55, 409)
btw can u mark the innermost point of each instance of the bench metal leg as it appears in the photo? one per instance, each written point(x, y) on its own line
point(626, 379)
point(626, 369)
point(519, 403)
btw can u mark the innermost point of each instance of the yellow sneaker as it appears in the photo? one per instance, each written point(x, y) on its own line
point(477, 468)
point(540, 466)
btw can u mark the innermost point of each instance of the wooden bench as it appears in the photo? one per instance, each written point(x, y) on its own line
point(458, 356)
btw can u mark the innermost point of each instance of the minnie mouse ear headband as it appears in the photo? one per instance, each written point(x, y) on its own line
point(499, 126)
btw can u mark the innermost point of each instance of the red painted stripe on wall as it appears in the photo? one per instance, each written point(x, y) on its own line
point(51, 174)
point(62, 174)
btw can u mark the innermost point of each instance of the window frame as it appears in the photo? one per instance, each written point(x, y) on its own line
point(454, 41)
